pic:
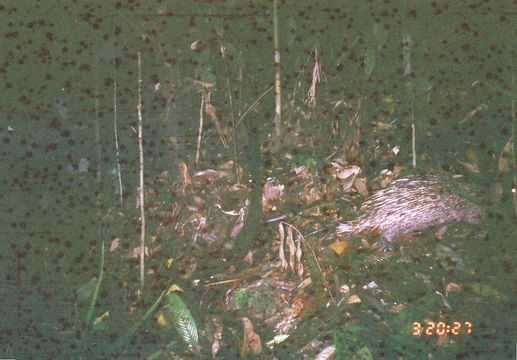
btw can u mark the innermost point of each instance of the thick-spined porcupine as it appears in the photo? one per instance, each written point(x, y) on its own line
point(414, 203)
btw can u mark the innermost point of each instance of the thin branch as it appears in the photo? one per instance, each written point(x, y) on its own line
point(276, 63)
point(141, 190)
point(514, 128)
point(115, 129)
point(200, 131)
point(252, 106)
point(407, 52)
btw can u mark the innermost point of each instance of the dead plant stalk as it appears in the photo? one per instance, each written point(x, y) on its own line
point(141, 189)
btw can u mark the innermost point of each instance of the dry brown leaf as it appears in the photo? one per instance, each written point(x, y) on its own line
point(472, 155)
point(339, 246)
point(216, 345)
point(114, 244)
point(361, 185)
point(237, 229)
point(184, 180)
point(297, 306)
point(199, 201)
point(378, 125)
point(387, 177)
point(202, 85)
point(162, 321)
point(347, 174)
point(251, 343)
point(227, 165)
point(292, 247)
point(472, 168)
point(210, 110)
point(136, 252)
point(281, 253)
point(506, 162)
point(344, 289)
point(273, 191)
point(210, 174)
point(299, 253)
point(452, 288)
point(397, 169)
point(301, 171)
point(326, 353)
point(353, 300)
point(395, 309)
point(249, 258)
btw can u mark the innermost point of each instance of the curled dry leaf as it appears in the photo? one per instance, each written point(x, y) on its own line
point(300, 268)
point(237, 229)
point(281, 253)
point(346, 173)
point(249, 258)
point(326, 353)
point(292, 247)
point(251, 343)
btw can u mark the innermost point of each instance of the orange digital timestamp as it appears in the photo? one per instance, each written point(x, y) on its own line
point(441, 328)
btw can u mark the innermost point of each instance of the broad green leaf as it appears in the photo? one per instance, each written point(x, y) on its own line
point(183, 320)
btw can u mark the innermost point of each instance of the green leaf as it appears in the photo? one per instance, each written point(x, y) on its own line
point(380, 34)
point(364, 353)
point(370, 57)
point(183, 320)
point(485, 290)
point(96, 289)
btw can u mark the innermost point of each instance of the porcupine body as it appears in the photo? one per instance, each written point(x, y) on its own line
point(414, 203)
